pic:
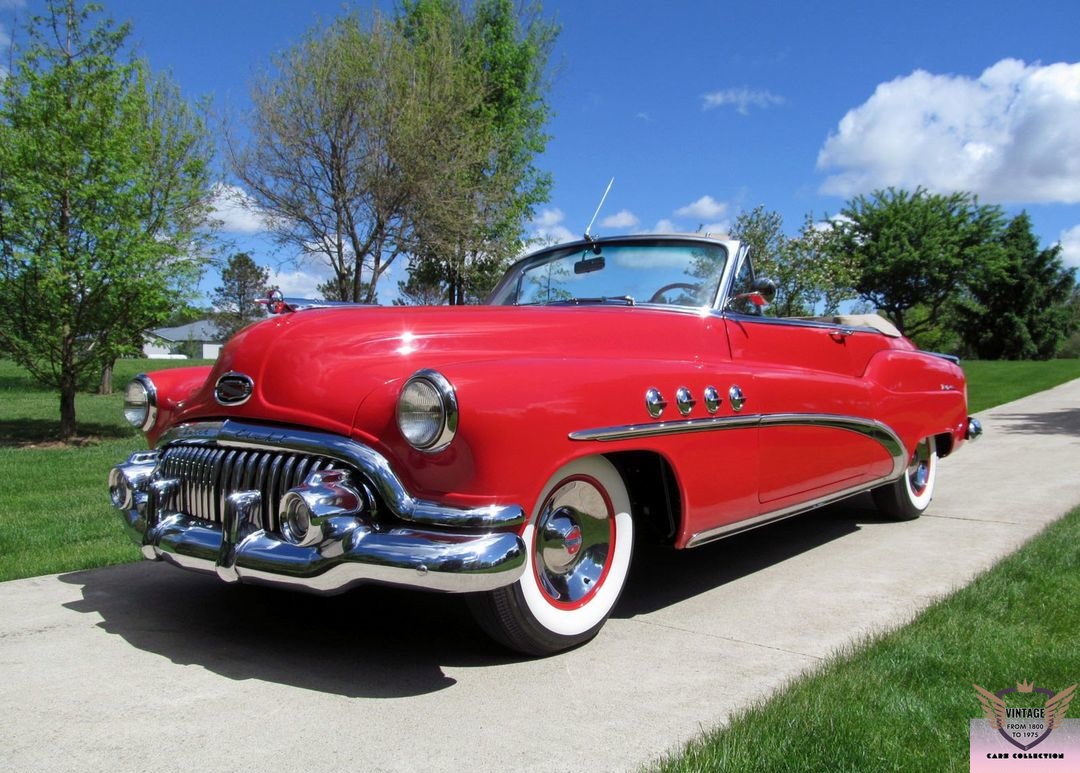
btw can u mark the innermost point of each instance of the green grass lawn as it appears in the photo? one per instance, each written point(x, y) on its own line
point(902, 702)
point(994, 383)
point(55, 514)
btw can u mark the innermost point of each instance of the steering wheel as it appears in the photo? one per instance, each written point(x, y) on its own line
point(658, 296)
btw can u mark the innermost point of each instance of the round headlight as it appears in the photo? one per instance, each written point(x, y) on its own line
point(140, 403)
point(427, 413)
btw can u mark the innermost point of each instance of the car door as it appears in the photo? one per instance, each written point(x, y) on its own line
point(812, 402)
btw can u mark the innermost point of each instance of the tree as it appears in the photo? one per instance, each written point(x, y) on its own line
point(361, 128)
point(917, 251)
point(811, 276)
point(471, 223)
point(104, 179)
point(242, 281)
point(1020, 307)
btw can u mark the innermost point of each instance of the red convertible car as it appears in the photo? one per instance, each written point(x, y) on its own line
point(612, 390)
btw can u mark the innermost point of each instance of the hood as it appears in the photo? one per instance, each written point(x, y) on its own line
point(315, 367)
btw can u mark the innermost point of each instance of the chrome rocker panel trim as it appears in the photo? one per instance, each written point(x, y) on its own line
point(372, 464)
point(871, 428)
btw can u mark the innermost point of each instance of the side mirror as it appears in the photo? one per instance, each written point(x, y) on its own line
point(761, 293)
point(764, 287)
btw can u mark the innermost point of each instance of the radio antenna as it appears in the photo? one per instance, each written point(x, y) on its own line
point(588, 228)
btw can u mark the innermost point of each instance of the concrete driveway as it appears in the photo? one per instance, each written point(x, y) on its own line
point(145, 667)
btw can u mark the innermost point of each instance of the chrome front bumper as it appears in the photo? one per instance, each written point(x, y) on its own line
point(443, 549)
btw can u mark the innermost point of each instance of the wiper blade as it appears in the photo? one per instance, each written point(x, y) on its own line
point(626, 300)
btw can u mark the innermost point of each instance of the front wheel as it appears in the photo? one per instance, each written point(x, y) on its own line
point(907, 497)
point(578, 544)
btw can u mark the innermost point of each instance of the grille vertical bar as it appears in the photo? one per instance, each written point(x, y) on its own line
point(208, 475)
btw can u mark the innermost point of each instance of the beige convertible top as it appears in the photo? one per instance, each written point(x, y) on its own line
point(875, 321)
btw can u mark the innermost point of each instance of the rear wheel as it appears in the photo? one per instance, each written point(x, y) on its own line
point(578, 546)
point(908, 496)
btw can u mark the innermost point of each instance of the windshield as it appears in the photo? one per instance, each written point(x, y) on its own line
point(679, 273)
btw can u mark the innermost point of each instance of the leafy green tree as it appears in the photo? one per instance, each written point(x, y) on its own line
point(918, 249)
point(1020, 307)
point(374, 140)
point(811, 275)
point(471, 223)
point(235, 306)
point(104, 180)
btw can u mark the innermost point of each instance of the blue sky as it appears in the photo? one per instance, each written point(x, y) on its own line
point(700, 110)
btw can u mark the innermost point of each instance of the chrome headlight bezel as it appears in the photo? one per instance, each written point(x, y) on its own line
point(433, 388)
point(140, 402)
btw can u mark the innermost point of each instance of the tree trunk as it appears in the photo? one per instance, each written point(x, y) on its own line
point(67, 412)
point(106, 387)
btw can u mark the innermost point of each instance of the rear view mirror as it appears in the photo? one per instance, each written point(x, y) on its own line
point(588, 265)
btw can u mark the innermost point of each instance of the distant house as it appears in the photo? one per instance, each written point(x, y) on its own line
point(165, 343)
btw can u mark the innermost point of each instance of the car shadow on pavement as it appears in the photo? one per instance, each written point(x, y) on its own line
point(384, 642)
point(371, 642)
point(1063, 422)
point(660, 577)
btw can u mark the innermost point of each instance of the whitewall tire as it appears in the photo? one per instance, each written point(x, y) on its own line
point(578, 544)
point(910, 494)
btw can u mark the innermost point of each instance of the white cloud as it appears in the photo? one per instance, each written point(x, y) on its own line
point(666, 226)
point(1070, 246)
point(548, 228)
point(297, 283)
point(1010, 135)
point(236, 211)
point(716, 229)
point(705, 208)
point(742, 98)
point(622, 219)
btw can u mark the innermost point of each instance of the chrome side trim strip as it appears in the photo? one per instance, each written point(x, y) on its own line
point(366, 460)
point(871, 428)
point(628, 431)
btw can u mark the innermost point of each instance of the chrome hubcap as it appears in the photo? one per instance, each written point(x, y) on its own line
point(919, 469)
point(574, 535)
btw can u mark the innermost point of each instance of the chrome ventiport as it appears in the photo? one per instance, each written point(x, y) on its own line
point(736, 397)
point(712, 399)
point(327, 502)
point(655, 402)
point(684, 400)
point(974, 428)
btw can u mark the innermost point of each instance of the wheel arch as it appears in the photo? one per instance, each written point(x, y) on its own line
point(655, 497)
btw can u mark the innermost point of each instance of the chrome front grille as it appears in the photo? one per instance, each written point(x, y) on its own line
point(208, 474)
